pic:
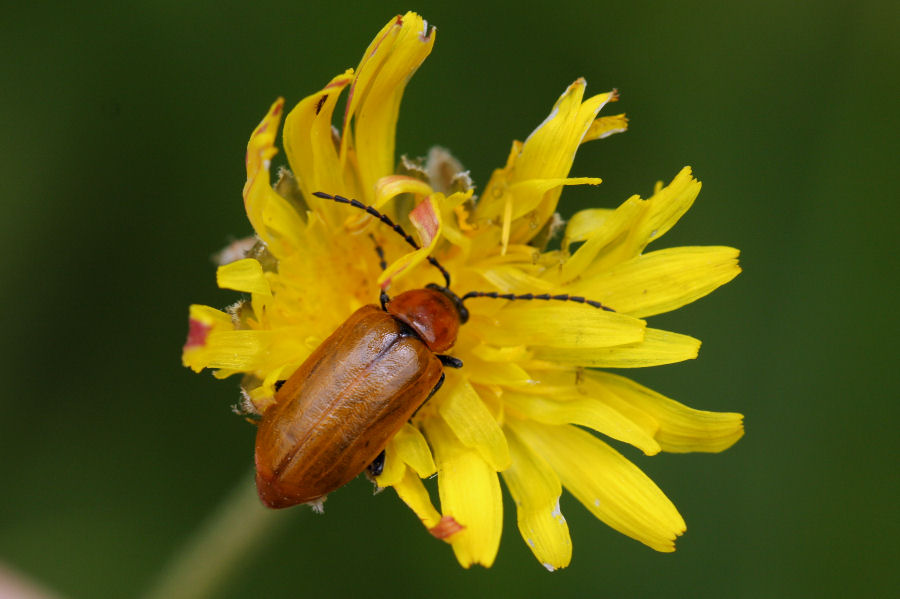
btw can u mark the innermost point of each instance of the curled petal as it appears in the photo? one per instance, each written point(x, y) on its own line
point(605, 126)
point(470, 494)
point(388, 188)
point(310, 147)
point(373, 103)
point(413, 449)
point(414, 494)
point(272, 217)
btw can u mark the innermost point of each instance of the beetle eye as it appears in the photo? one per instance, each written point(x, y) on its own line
point(463, 311)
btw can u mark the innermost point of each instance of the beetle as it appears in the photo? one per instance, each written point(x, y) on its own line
point(333, 417)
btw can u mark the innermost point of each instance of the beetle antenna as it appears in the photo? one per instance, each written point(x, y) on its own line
point(380, 251)
point(386, 220)
point(564, 297)
point(383, 297)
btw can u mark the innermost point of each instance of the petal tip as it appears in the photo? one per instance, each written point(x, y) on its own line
point(446, 528)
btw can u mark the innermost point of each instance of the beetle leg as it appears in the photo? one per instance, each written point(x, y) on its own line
point(384, 298)
point(430, 395)
point(377, 465)
point(436, 387)
point(450, 361)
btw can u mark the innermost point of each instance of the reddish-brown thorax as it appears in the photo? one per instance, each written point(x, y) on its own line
point(431, 314)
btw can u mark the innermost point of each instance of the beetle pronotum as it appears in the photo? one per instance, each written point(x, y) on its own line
point(334, 415)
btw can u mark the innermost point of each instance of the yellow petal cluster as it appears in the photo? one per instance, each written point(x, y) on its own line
point(523, 404)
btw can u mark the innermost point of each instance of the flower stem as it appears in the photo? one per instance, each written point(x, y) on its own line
point(218, 549)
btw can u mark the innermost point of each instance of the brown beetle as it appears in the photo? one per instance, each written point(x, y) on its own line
point(335, 414)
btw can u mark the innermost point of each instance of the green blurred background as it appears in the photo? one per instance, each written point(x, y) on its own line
point(122, 165)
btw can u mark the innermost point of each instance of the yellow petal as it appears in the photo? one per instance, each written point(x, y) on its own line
point(573, 408)
point(550, 150)
point(374, 100)
point(535, 488)
point(546, 154)
point(584, 223)
point(510, 278)
point(529, 193)
point(634, 224)
point(661, 281)
point(611, 487)
point(667, 205)
point(272, 217)
point(561, 324)
point(414, 494)
point(261, 147)
point(473, 424)
point(549, 382)
point(511, 353)
point(470, 493)
point(413, 449)
point(202, 321)
point(600, 231)
point(243, 275)
point(394, 467)
point(210, 316)
point(657, 348)
point(310, 147)
point(390, 187)
point(493, 373)
point(242, 350)
point(681, 429)
point(658, 214)
point(605, 126)
point(455, 217)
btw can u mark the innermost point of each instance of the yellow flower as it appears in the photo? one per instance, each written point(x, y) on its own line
point(529, 387)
